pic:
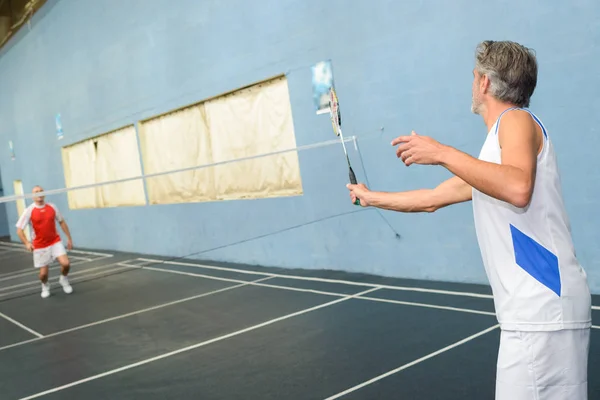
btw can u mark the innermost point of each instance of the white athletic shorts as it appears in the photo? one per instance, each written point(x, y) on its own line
point(543, 365)
point(43, 257)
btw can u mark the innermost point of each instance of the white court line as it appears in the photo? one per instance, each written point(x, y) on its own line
point(32, 270)
point(343, 282)
point(16, 252)
point(595, 327)
point(413, 304)
point(92, 253)
point(218, 278)
point(407, 303)
point(144, 310)
point(410, 364)
point(81, 275)
point(73, 280)
point(20, 325)
point(240, 283)
point(4, 288)
point(306, 278)
point(197, 345)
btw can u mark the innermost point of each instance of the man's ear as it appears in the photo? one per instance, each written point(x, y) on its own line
point(484, 84)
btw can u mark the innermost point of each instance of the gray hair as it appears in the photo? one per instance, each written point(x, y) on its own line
point(511, 68)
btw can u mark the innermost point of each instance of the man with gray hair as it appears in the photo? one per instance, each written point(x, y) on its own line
point(541, 294)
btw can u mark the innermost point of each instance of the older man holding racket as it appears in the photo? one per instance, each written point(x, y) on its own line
point(541, 294)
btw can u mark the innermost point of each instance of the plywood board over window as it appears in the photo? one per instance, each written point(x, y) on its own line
point(250, 122)
point(101, 159)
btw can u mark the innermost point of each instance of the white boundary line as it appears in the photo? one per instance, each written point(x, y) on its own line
point(92, 253)
point(315, 279)
point(33, 271)
point(20, 325)
point(306, 278)
point(82, 272)
point(382, 300)
point(81, 276)
point(239, 283)
point(197, 345)
point(410, 364)
point(414, 304)
point(156, 307)
point(73, 280)
point(596, 326)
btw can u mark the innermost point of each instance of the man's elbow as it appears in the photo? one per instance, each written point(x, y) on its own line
point(431, 208)
point(521, 195)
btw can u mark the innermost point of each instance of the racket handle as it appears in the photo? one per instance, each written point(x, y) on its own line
point(352, 176)
point(353, 181)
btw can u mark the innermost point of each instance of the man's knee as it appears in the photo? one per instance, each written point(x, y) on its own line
point(43, 275)
point(65, 267)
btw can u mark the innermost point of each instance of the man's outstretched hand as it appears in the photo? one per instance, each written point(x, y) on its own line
point(417, 149)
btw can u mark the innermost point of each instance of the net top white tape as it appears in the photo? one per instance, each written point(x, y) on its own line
point(6, 199)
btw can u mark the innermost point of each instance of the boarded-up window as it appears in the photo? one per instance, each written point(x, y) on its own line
point(176, 141)
point(109, 157)
point(246, 123)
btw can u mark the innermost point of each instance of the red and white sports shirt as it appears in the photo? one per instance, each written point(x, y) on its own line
point(43, 221)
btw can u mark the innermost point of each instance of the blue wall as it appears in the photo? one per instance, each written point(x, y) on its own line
point(400, 65)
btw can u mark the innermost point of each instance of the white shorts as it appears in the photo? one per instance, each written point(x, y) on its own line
point(543, 365)
point(43, 257)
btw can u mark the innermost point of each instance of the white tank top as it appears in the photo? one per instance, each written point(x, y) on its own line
point(528, 254)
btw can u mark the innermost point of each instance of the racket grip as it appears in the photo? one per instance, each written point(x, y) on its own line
point(352, 176)
point(353, 181)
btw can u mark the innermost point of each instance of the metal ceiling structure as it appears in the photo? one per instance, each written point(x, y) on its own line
point(14, 14)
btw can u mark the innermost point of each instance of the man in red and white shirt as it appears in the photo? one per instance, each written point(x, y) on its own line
point(47, 245)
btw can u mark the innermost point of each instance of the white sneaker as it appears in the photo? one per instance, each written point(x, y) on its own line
point(45, 290)
point(64, 282)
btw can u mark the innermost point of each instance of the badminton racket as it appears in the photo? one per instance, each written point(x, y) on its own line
point(336, 122)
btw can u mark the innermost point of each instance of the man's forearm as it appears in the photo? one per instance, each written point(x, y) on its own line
point(65, 229)
point(21, 235)
point(411, 201)
point(503, 182)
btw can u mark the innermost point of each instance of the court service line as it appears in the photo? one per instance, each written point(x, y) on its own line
point(20, 325)
point(92, 253)
point(14, 251)
point(307, 278)
point(78, 261)
point(326, 280)
point(410, 364)
point(407, 303)
point(77, 279)
point(29, 271)
point(201, 344)
point(144, 310)
point(240, 283)
point(30, 283)
point(81, 276)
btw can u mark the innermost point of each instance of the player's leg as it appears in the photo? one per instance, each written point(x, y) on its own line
point(513, 379)
point(543, 365)
point(41, 260)
point(60, 254)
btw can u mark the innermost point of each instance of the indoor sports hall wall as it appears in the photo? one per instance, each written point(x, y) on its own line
point(398, 65)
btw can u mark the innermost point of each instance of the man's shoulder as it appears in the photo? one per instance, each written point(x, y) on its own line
point(52, 205)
